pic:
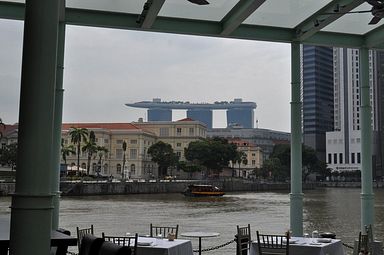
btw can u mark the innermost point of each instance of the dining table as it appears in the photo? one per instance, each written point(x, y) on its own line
point(309, 246)
point(162, 246)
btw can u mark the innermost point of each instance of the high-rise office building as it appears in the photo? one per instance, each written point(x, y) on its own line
point(317, 96)
point(344, 144)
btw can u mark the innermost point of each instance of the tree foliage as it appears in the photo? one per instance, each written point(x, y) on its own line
point(8, 155)
point(162, 154)
point(90, 148)
point(77, 136)
point(67, 150)
point(213, 154)
point(278, 166)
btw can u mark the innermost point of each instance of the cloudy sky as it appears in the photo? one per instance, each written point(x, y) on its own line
point(106, 68)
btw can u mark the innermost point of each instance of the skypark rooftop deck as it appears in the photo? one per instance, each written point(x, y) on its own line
point(317, 22)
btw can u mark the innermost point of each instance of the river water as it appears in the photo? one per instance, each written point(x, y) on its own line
point(329, 209)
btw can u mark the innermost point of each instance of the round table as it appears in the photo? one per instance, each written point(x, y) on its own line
point(200, 235)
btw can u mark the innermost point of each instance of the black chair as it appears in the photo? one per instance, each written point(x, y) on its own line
point(90, 245)
point(363, 244)
point(243, 240)
point(127, 241)
point(108, 248)
point(273, 244)
point(155, 231)
point(82, 232)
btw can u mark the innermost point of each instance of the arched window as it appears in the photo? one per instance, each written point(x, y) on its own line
point(73, 164)
point(118, 168)
point(83, 165)
point(133, 169)
point(94, 167)
point(105, 168)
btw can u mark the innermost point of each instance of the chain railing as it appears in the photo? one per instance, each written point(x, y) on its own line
point(215, 247)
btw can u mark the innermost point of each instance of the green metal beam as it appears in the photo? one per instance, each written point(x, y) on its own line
point(325, 16)
point(153, 11)
point(242, 10)
point(375, 38)
point(335, 40)
point(12, 10)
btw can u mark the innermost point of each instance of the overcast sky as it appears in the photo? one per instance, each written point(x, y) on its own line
point(106, 68)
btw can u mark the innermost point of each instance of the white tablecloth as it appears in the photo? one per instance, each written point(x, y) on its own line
point(164, 247)
point(309, 246)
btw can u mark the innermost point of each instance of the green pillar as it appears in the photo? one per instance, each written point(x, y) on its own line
point(58, 120)
point(367, 197)
point(296, 196)
point(31, 209)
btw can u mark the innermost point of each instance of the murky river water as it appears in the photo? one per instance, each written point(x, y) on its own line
point(331, 209)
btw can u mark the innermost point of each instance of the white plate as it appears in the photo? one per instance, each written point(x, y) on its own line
point(144, 243)
point(324, 240)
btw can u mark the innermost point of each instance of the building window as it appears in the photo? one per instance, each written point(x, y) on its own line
point(178, 154)
point(178, 144)
point(329, 158)
point(133, 169)
point(118, 168)
point(119, 153)
point(133, 153)
point(164, 131)
point(178, 131)
point(341, 158)
point(253, 162)
point(83, 165)
point(353, 158)
point(106, 141)
point(191, 131)
point(119, 141)
point(105, 168)
point(358, 158)
point(94, 167)
point(335, 158)
point(133, 141)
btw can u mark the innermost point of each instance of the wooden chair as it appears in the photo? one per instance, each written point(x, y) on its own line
point(81, 232)
point(163, 230)
point(363, 244)
point(243, 240)
point(127, 241)
point(273, 244)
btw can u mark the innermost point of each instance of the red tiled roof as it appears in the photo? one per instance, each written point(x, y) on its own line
point(187, 119)
point(110, 126)
point(8, 128)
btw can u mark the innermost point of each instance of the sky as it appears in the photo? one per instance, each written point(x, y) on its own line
point(106, 68)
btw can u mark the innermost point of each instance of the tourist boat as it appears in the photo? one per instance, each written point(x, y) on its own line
point(198, 190)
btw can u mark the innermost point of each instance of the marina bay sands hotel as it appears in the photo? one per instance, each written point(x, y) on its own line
point(238, 112)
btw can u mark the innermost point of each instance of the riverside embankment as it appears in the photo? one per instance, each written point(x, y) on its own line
point(154, 187)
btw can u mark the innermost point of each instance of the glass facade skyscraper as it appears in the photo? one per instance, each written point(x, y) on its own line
point(317, 96)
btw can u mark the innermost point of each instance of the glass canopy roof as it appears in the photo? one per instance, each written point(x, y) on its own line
point(317, 22)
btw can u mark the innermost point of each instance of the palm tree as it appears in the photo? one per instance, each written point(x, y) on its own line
point(66, 151)
point(124, 150)
point(90, 147)
point(102, 152)
point(77, 136)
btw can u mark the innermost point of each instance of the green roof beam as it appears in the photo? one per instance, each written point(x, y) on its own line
point(242, 10)
point(330, 39)
point(375, 38)
point(12, 10)
point(325, 16)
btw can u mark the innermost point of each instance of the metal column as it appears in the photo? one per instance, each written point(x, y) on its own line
point(58, 120)
point(296, 196)
point(367, 197)
point(31, 213)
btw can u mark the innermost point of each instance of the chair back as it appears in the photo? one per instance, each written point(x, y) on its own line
point(127, 241)
point(273, 244)
point(81, 232)
point(109, 248)
point(363, 244)
point(90, 244)
point(163, 230)
point(243, 240)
